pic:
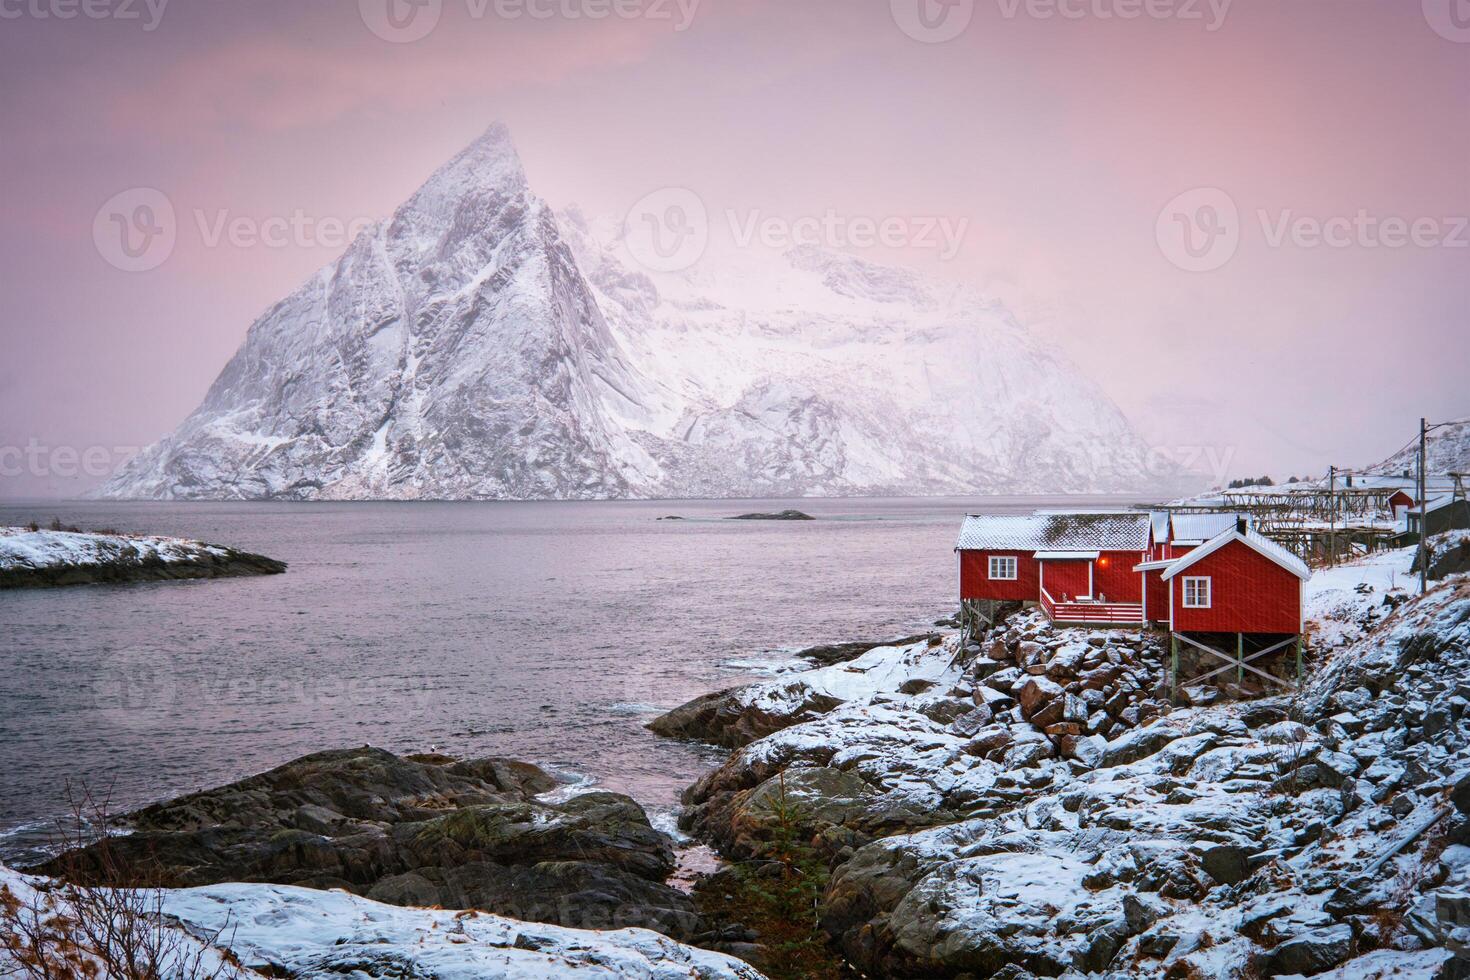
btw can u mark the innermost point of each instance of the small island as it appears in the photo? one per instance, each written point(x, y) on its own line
point(784, 515)
point(32, 557)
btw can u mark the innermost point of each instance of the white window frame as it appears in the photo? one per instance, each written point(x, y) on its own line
point(1202, 589)
point(1006, 562)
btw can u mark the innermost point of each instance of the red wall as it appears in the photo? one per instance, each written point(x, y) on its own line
point(1158, 596)
point(975, 583)
point(1249, 593)
point(1065, 579)
point(1113, 575)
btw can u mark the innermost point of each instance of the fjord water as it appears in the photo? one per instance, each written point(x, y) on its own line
point(550, 632)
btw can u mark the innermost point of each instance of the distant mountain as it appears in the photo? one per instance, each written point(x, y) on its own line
point(1448, 452)
point(477, 346)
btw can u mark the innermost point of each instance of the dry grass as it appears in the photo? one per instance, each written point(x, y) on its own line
point(61, 930)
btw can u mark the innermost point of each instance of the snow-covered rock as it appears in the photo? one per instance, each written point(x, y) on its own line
point(1449, 452)
point(1223, 844)
point(740, 715)
point(278, 930)
point(476, 345)
point(45, 557)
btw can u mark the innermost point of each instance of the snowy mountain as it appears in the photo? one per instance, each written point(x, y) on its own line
point(477, 346)
point(1448, 452)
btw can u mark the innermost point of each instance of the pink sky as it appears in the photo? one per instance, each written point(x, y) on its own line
point(1059, 138)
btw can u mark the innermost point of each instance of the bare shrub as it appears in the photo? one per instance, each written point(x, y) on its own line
point(85, 925)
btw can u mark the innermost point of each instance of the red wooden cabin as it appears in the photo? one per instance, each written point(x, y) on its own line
point(1174, 536)
point(1078, 566)
point(1237, 582)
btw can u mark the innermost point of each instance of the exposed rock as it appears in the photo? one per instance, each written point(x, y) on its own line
point(1313, 952)
point(741, 715)
point(39, 559)
point(419, 830)
point(781, 515)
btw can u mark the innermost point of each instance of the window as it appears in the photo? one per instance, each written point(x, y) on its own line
point(1002, 566)
point(1196, 592)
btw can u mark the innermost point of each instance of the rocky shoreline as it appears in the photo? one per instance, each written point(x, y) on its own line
point(37, 558)
point(1035, 804)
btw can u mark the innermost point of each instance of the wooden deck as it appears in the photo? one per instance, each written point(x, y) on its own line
point(1092, 613)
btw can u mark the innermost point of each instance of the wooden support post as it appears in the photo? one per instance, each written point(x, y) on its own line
point(1239, 658)
point(1173, 664)
point(1298, 661)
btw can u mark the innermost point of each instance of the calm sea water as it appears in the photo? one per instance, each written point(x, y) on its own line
point(550, 632)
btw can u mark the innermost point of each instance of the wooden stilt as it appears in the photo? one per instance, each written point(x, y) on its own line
point(1239, 658)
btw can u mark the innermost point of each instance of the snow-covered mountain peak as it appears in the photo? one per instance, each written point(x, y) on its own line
point(478, 346)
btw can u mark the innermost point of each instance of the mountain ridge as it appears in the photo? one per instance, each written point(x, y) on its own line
point(478, 345)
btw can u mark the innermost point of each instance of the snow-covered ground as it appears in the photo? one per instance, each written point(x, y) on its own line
point(24, 548)
point(277, 930)
point(1342, 601)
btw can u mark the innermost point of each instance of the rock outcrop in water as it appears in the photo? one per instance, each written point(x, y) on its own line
point(1326, 834)
point(44, 558)
point(424, 831)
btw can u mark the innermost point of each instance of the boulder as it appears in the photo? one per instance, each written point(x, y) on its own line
point(1313, 952)
point(415, 830)
point(1036, 693)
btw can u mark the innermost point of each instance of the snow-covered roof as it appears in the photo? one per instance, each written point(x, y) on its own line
point(1076, 531)
point(1066, 555)
point(1251, 539)
point(1200, 527)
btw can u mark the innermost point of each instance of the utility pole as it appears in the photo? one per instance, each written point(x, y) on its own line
point(1423, 509)
point(1332, 516)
